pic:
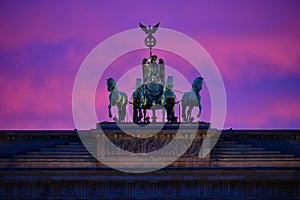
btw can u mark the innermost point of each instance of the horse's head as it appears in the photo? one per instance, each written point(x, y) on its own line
point(197, 84)
point(111, 84)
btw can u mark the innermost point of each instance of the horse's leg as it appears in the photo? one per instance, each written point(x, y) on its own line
point(137, 113)
point(140, 112)
point(153, 116)
point(184, 104)
point(145, 112)
point(189, 114)
point(122, 106)
point(174, 119)
point(109, 112)
point(183, 112)
point(122, 113)
point(200, 108)
point(109, 107)
point(168, 114)
point(119, 112)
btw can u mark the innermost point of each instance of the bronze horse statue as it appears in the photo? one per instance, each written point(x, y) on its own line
point(117, 98)
point(192, 99)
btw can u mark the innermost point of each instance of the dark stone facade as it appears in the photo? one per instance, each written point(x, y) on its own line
point(245, 164)
point(169, 183)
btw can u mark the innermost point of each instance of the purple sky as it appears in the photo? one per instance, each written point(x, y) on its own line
point(255, 44)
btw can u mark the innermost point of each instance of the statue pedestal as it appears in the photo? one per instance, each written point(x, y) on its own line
point(133, 138)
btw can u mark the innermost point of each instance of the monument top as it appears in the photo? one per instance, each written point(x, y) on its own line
point(149, 41)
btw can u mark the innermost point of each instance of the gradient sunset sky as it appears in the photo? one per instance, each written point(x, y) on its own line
point(255, 44)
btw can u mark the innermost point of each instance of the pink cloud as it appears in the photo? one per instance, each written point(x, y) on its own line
point(262, 111)
point(39, 103)
point(238, 56)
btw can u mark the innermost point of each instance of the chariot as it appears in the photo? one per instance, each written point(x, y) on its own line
point(153, 93)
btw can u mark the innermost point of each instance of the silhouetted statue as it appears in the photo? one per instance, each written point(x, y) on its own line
point(152, 71)
point(149, 41)
point(149, 31)
point(161, 63)
point(116, 98)
point(191, 99)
